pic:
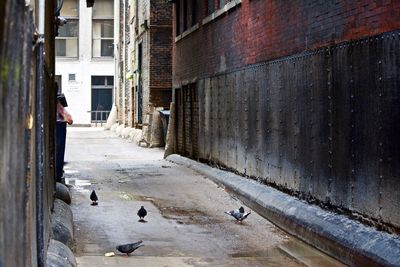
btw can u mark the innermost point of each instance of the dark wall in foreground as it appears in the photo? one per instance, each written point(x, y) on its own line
point(322, 124)
point(27, 117)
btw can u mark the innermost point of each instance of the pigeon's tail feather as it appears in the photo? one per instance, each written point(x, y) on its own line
point(244, 216)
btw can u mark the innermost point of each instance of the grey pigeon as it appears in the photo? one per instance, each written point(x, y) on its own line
point(142, 212)
point(129, 248)
point(238, 214)
point(93, 198)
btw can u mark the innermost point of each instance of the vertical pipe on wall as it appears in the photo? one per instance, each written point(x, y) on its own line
point(39, 133)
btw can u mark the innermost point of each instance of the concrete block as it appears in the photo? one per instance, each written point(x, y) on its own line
point(135, 135)
point(119, 129)
point(112, 118)
point(59, 255)
point(114, 127)
point(125, 132)
point(62, 223)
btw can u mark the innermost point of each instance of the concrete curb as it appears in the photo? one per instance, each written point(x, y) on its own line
point(62, 223)
point(59, 255)
point(347, 240)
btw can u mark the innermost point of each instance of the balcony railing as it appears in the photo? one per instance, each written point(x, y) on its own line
point(99, 116)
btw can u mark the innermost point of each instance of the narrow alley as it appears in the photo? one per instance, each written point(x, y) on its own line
point(186, 224)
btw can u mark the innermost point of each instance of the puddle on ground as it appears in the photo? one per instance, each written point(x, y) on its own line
point(80, 185)
point(136, 173)
point(308, 255)
point(77, 182)
point(270, 253)
point(295, 249)
point(67, 171)
point(178, 214)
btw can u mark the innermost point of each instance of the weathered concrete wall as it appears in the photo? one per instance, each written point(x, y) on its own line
point(321, 124)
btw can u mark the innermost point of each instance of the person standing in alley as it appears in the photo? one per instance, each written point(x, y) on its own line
point(63, 117)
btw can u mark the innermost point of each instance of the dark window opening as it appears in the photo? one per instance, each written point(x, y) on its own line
point(101, 97)
point(195, 12)
point(210, 7)
point(177, 17)
point(186, 15)
point(140, 89)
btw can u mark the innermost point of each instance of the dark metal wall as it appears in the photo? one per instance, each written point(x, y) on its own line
point(17, 219)
point(27, 117)
point(323, 125)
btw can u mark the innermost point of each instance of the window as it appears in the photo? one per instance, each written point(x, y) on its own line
point(186, 15)
point(178, 17)
point(58, 80)
point(103, 28)
point(213, 5)
point(101, 96)
point(210, 6)
point(67, 40)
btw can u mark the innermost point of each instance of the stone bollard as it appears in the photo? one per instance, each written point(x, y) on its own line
point(62, 192)
point(61, 223)
point(59, 255)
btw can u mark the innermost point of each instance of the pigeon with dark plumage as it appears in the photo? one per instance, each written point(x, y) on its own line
point(142, 212)
point(93, 198)
point(129, 248)
point(238, 214)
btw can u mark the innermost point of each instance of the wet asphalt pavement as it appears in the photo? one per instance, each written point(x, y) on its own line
point(186, 224)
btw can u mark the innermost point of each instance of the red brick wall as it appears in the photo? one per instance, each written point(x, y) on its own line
point(260, 30)
point(160, 53)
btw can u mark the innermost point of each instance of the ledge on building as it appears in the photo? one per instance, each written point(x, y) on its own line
point(219, 12)
point(187, 32)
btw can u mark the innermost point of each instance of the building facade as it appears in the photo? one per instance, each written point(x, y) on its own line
point(301, 95)
point(144, 67)
point(85, 59)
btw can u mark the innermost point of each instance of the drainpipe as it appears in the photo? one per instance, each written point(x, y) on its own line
point(39, 137)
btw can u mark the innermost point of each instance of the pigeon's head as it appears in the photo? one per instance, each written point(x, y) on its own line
point(241, 210)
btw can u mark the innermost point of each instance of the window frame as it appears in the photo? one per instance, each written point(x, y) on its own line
point(99, 19)
point(70, 18)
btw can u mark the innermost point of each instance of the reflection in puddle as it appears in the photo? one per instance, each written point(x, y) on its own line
point(79, 184)
point(256, 254)
point(67, 171)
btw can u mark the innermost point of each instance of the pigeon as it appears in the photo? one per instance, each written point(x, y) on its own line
point(93, 198)
point(142, 212)
point(238, 214)
point(129, 248)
